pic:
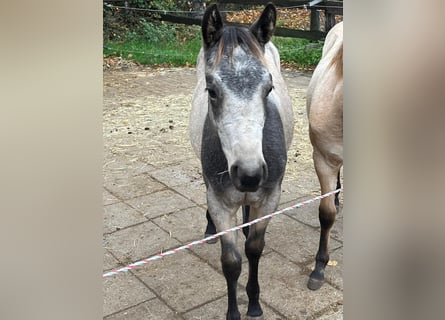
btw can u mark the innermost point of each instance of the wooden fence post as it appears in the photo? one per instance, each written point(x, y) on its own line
point(329, 20)
point(315, 20)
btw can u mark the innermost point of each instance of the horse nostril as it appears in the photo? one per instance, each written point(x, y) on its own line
point(247, 179)
point(250, 181)
point(234, 171)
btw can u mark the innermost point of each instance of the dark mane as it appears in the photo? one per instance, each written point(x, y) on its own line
point(234, 36)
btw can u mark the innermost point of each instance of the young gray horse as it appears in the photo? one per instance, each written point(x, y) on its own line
point(241, 126)
point(325, 113)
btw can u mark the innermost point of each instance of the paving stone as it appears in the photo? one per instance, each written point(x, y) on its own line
point(308, 214)
point(108, 198)
point(305, 184)
point(182, 174)
point(283, 287)
point(126, 186)
point(296, 241)
point(195, 191)
point(185, 225)
point(150, 310)
point(336, 313)
point(120, 215)
point(216, 310)
point(118, 165)
point(122, 291)
point(109, 261)
point(160, 203)
point(138, 242)
point(186, 179)
point(183, 281)
point(163, 153)
point(333, 271)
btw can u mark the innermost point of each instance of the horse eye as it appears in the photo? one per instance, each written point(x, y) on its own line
point(269, 90)
point(212, 93)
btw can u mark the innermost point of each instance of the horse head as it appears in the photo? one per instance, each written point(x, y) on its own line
point(238, 85)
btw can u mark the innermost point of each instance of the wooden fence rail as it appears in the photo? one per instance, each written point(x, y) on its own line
point(330, 8)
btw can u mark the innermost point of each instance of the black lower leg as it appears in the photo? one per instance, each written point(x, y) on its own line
point(337, 201)
point(316, 278)
point(254, 249)
point(231, 265)
point(210, 229)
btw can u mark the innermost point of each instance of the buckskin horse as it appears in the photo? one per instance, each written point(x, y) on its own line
point(325, 114)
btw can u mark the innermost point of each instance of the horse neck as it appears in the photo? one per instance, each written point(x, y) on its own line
point(337, 61)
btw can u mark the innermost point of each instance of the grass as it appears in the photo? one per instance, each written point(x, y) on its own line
point(301, 53)
point(171, 51)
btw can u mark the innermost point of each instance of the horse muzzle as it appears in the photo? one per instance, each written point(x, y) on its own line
point(248, 178)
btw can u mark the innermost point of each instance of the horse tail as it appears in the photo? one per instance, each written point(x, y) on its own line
point(337, 61)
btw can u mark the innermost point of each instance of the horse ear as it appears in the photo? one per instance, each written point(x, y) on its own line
point(264, 27)
point(211, 26)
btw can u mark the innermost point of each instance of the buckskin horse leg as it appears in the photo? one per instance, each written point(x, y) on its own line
point(327, 173)
point(337, 201)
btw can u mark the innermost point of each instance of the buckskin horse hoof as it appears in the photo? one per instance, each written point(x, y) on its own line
point(261, 317)
point(314, 284)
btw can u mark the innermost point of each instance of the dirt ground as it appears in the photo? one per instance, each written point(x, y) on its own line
point(146, 116)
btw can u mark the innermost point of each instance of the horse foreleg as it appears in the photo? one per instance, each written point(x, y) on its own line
point(224, 218)
point(210, 229)
point(231, 266)
point(254, 248)
point(327, 175)
point(246, 213)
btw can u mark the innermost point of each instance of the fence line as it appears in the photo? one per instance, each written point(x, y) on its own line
point(190, 18)
point(303, 6)
point(201, 241)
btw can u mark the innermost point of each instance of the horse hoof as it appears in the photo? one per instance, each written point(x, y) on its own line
point(261, 317)
point(211, 241)
point(314, 284)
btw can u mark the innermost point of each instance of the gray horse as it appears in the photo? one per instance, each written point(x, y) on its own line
point(241, 126)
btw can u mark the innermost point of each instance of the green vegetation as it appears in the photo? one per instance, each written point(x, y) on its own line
point(160, 43)
point(301, 53)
